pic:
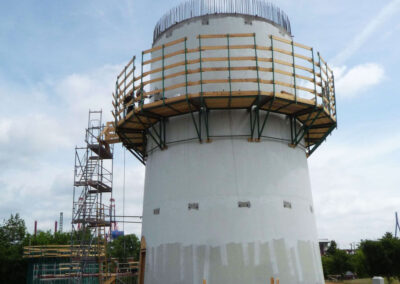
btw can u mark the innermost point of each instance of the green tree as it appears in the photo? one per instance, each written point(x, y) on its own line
point(358, 263)
point(332, 248)
point(47, 238)
point(382, 257)
point(12, 266)
point(124, 247)
point(13, 230)
point(336, 261)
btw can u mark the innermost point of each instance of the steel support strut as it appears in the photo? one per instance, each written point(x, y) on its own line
point(157, 136)
point(311, 150)
point(298, 135)
point(254, 121)
point(255, 109)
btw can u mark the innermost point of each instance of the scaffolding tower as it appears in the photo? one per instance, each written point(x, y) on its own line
point(93, 183)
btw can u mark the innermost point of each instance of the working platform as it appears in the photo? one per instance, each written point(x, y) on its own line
point(101, 149)
point(96, 185)
point(283, 77)
point(93, 222)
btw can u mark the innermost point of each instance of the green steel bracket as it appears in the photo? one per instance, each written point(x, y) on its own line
point(153, 134)
point(292, 122)
point(206, 113)
point(203, 115)
point(304, 129)
point(260, 130)
point(160, 134)
point(199, 124)
point(163, 135)
point(254, 121)
point(139, 155)
point(144, 136)
point(322, 139)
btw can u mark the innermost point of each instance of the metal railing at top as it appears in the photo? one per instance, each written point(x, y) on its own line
point(197, 8)
point(288, 67)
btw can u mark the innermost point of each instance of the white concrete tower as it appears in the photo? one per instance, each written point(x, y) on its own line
point(224, 113)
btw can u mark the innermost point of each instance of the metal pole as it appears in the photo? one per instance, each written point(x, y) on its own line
point(273, 65)
point(328, 88)
point(229, 71)
point(163, 75)
point(315, 79)
point(141, 84)
point(294, 72)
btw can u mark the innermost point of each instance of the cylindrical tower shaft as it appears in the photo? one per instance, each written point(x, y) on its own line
point(224, 114)
point(228, 211)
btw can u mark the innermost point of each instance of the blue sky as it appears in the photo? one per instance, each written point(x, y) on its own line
point(58, 59)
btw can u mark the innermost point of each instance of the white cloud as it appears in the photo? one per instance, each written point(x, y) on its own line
point(40, 130)
point(37, 143)
point(51, 115)
point(355, 184)
point(389, 10)
point(351, 83)
point(91, 90)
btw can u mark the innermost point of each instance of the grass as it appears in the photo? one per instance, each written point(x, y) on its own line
point(359, 281)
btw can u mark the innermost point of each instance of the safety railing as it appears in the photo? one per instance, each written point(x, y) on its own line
point(281, 67)
point(92, 213)
point(56, 251)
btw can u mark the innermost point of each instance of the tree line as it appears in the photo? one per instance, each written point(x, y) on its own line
point(371, 258)
point(14, 236)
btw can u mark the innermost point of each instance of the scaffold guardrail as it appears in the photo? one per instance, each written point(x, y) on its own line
point(289, 78)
